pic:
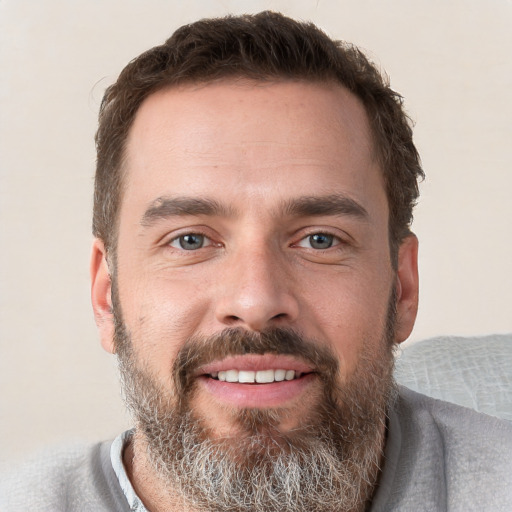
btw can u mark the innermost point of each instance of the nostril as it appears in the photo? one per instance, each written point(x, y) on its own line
point(256, 312)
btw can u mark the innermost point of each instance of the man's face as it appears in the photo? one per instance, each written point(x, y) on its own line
point(254, 207)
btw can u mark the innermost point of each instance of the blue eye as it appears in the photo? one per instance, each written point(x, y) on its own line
point(321, 241)
point(190, 242)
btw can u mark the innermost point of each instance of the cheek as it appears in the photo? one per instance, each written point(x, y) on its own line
point(350, 315)
point(161, 314)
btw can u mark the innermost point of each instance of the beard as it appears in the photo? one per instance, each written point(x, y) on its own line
point(329, 461)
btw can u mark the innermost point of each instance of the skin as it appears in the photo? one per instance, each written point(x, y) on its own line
point(253, 148)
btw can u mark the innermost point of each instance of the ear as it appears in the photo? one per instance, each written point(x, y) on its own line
point(101, 295)
point(407, 285)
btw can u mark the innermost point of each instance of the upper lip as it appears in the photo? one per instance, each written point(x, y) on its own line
point(255, 362)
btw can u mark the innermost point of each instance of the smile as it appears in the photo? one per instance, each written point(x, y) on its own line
point(256, 381)
point(258, 377)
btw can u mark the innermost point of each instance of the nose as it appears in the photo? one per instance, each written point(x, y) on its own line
point(257, 292)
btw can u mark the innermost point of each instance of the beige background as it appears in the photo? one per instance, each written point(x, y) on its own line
point(451, 61)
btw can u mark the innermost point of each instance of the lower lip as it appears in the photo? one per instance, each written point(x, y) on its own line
point(275, 394)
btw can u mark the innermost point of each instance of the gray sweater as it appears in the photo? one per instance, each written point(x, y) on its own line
point(439, 457)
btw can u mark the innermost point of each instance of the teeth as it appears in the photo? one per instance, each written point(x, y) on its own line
point(290, 375)
point(260, 377)
point(245, 376)
point(265, 376)
point(279, 375)
point(231, 376)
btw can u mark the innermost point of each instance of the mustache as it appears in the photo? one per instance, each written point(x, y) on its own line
point(200, 350)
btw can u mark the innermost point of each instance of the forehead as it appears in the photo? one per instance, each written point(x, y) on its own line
point(290, 137)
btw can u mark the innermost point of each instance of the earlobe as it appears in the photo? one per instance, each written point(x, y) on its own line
point(101, 295)
point(407, 288)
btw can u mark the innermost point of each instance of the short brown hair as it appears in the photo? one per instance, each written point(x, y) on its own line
point(265, 46)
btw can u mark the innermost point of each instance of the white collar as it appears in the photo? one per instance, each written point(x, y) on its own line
point(116, 457)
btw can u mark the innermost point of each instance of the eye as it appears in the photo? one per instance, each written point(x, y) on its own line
point(190, 242)
point(319, 241)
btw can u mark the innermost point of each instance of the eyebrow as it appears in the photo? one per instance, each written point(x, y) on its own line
point(334, 204)
point(165, 207)
point(305, 206)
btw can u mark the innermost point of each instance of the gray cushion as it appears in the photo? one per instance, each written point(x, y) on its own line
point(474, 372)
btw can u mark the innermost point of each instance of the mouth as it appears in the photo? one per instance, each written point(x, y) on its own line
point(258, 377)
point(256, 381)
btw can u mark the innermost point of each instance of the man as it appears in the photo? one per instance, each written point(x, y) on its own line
point(253, 269)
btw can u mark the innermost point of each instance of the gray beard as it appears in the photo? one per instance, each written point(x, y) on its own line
point(329, 462)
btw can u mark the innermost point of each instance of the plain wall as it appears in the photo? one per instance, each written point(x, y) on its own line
point(449, 59)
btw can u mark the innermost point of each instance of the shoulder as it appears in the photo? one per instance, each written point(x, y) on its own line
point(462, 453)
point(453, 422)
point(74, 477)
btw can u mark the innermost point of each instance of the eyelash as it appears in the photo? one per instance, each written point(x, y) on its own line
point(336, 240)
point(177, 238)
